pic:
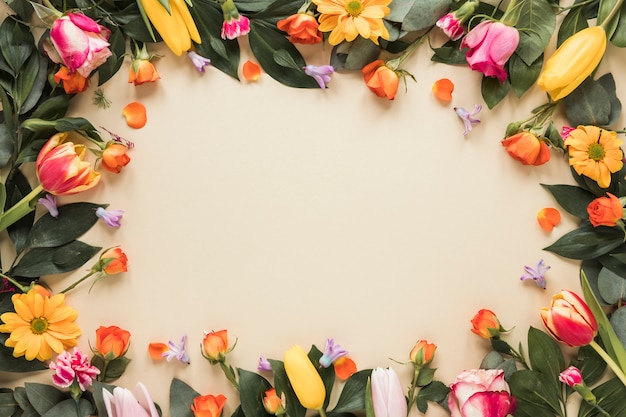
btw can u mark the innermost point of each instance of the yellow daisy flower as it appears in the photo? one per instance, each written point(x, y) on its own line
point(40, 325)
point(594, 153)
point(347, 19)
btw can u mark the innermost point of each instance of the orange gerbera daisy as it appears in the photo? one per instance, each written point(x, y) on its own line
point(595, 153)
point(347, 19)
point(40, 325)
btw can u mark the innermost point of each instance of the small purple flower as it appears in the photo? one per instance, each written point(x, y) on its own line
point(332, 352)
point(5, 286)
point(111, 218)
point(177, 351)
point(536, 274)
point(117, 138)
point(198, 60)
point(50, 203)
point(321, 74)
point(264, 364)
point(467, 117)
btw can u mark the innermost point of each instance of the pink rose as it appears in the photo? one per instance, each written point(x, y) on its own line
point(451, 26)
point(481, 392)
point(79, 43)
point(490, 44)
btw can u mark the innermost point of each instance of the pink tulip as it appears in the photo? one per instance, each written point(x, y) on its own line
point(569, 320)
point(490, 44)
point(571, 376)
point(122, 403)
point(61, 169)
point(481, 393)
point(79, 43)
point(387, 394)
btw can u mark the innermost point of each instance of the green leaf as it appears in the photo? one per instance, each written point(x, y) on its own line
point(588, 104)
point(327, 374)
point(181, 398)
point(603, 13)
point(352, 397)
point(283, 386)
point(6, 146)
point(252, 387)
point(9, 363)
point(612, 287)
point(590, 364)
point(354, 55)
point(537, 389)
point(574, 22)
point(53, 108)
point(17, 44)
point(573, 199)
point(47, 261)
point(449, 53)
point(425, 377)
point(115, 369)
point(30, 85)
point(523, 76)
point(73, 221)
point(493, 91)
point(527, 409)
point(618, 321)
point(492, 360)
point(43, 397)
point(23, 8)
point(554, 137)
point(8, 405)
point(69, 408)
point(536, 24)
point(284, 59)
point(545, 356)
point(114, 62)
point(369, 404)
point(587, 242)
point(610, 396)
point(436, 392)
point(619, 36)
point(608, 83)
point(7, 111)
point(423, 14)
point(264, 42)
point(398, 9)
point(16, 190)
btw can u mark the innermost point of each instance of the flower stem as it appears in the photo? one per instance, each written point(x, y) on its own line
point(322, 412)
point(14, 282)
point(71, 287)
point(396, 62)
point(20, 209)
point(413, 387)
point(609, 361)
point(228, 371)
point(612, 13)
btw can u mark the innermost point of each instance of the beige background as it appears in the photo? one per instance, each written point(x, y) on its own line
point(289, 216)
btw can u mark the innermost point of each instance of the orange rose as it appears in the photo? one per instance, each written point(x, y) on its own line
point(422, 353)
point(215, 345)
point(301, 28)
point(380, 79)
point(142, 71)
point(113, 261)
point(527, 148)
point(208, 405)
point(272, 402)
point(114, 157)
point(112, 341)
point(486, 324)
point(605, 211)
point(72, 83)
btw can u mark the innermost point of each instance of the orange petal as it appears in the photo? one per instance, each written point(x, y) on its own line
point(442, 89)
point(548, 218)
point(156, 350)
point(251, 71)
point(135, 114)
point(344, 368)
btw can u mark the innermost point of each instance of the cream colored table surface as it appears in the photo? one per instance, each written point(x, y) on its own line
point(289, 216)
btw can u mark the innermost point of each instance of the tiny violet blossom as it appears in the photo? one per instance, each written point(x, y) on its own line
point(50, 203)
point(111, 218)
point(264, 364)
point(332, 352)
point(198, 60)
point(536, 274)
point(117, 138)
point(468, 117)
point(177, 351)
point(321, 74)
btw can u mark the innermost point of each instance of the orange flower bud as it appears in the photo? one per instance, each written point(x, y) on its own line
point(142, 71)
point(486, 324)
point(548, 218)
point(422, 353)
point(61, 169)
point(112, 342)
point(301, 28)
point(114, 157)
point(72, 83)
point(113, 261)
point(215, 345)
point(605, 211)
point(208, 405)
point(527, 148)
point(380, 79)
point(272, 402)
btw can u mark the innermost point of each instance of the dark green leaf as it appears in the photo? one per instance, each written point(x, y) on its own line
point(283, 386)
point(354, 55)
point(327, 374)
point(554, 137)
point(16, 43)
point(436, 392)
point(7, 111)
point(17, 188)
point(493, 91)
point(574, 22)
point(536, 388)
point(278, 9)
point(606, 6)
point(398, 10)
point(527, 409)
point(181, 398)
point(352, 397)
point(619, 36)
point(23, 8)
point(545, 356)
point(573, 199)
point(423, 14)
point(612, 287)
point(113, 62)
point(47, 261)
point(588, 104)
point(69, 408)
point(449, 53)
point(74, 220)
point(523, 76)
point(115, 369)
point(265, 42)
point(608, 83)
point(30, 85)
point(252, 389)
point(53, 108)
point(8, 363)
point(6, 146)
point(425, 377)
point(43, 397)
point(610, 396)
point(590, 364)
point(132, 23)
point(536, 23)
point(587, 242)
point(615, 261)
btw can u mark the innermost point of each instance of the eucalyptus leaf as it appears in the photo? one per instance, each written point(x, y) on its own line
point(69, 407)
point(283, 386)
point(8, 405)
point(536, 24)
point(618, 321)
point(252, 387)
point(9, 363)
point(588, 104)
point(43, 397)
point(352, 397)
point(572, 199)
point(398, 9)
point(612, 287)
point(181, 398)
point(493, 91)
point(423, 14)
point(587, 242)
point(608, 83)
point(57, 260)
point(492, 360)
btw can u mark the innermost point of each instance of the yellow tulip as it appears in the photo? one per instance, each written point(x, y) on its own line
point(177, 29)
point(305, 380)
point(572, 62)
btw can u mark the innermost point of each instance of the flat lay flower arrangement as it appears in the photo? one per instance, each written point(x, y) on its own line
point(53, 50)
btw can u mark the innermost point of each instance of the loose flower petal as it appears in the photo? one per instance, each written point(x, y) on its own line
point(50, 203)
point(548, 217)
point(135, 114)
point(157, 350)
point(251, 71)
point(467, 117)
point(111, 218)
point(344, 368)
point(442, 89)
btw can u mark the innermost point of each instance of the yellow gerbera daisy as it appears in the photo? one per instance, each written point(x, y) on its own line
point(595, 153)
point(40, 325)
point(346, 19)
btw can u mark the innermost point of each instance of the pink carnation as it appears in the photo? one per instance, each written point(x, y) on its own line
point(70, 367)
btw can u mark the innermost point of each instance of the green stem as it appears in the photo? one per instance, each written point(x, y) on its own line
point(14, 282)
point(322, 412)
point(395, 63)
point(228, 371)
point(612, 13)
point(71, 287)
point(413, 388)
point(20, 209)
point(609, 361)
